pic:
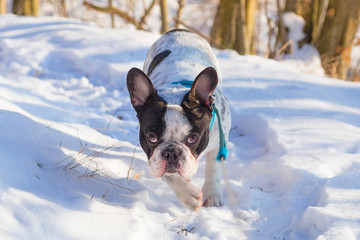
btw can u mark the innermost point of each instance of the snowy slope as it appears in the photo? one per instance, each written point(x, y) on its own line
point(71, 166)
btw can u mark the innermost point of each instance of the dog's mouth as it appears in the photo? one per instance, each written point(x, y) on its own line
point(162, 168)
point(171, 170)
point(172, 167)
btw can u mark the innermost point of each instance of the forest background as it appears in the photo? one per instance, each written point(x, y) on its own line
point(259, 27)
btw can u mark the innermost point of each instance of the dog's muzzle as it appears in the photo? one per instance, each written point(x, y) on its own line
point(174, 157)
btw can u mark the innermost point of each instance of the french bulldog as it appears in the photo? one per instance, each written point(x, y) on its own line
point(173, 99)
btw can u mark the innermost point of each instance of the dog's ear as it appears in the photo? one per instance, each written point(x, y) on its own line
point(140, 87)
point(204, 85)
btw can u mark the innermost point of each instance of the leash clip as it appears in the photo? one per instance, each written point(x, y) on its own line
point(212, 101)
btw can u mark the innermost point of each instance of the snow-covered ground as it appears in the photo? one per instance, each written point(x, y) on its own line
point(71, 166)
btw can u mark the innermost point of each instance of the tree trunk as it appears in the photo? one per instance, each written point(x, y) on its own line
point(63, 8)
point(112, 16)
point(234, 25)
point(179, 12)
point(241, 44)
point(3, 7)
point(251, 6)
point(282, 36)
point(26, 7)
point(224, 23)
point(330, 26)
point(318, 18)
point(337, 35)
point(164, 17)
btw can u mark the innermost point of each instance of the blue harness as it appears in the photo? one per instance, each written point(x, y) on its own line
point(223, 151)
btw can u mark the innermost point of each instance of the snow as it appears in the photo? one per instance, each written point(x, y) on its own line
point(72, 167)
point(306, 58)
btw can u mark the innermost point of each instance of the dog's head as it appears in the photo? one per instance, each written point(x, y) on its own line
point(173, 136)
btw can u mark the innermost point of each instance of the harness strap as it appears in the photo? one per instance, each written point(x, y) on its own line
point(184, 83)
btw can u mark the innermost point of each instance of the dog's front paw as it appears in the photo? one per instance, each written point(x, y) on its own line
point(190, 196)
point(212, 196)
point(212, 201)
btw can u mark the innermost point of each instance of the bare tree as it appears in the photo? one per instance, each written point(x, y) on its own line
point(179, 12)
point(330, 26)
point(337, 35)
point(164, 16)
point(139, 24)
point(3, 6)
point(234, 25)
point(26, 7)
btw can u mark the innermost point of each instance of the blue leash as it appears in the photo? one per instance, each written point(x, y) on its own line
point(223, 151)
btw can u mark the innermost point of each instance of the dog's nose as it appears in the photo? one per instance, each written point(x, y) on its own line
point(172, 154)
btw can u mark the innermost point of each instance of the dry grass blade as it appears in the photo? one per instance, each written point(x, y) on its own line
point(130, 168)
point(84, 164)
point(184, 230)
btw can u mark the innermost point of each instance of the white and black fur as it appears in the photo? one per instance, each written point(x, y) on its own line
point(174, 120)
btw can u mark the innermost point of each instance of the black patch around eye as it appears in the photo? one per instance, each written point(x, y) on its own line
point(199, 117)
point(199, 146)
point(192, 108)
point(152, 119)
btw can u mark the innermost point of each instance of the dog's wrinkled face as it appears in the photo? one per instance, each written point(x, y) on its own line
point(173, 136)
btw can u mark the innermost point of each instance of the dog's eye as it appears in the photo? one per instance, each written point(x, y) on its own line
point(192, 138)
point(151, 137)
